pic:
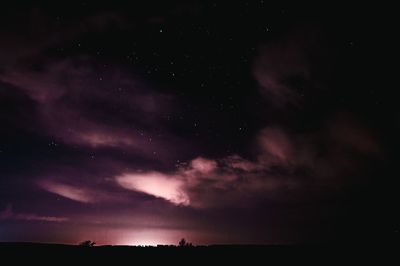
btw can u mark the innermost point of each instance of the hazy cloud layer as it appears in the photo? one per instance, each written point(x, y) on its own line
point(8, 213)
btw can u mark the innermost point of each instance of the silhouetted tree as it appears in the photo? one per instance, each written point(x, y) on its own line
point(182, 243)
point(87, 243)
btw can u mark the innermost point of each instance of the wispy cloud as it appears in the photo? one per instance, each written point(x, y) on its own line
point(61, 93)
point(283, 62)
point(8, 213)
point(68, 191)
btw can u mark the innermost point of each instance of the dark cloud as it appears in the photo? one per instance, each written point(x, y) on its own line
point(281, 66)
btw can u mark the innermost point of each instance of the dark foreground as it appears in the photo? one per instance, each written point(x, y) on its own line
point(322, 255)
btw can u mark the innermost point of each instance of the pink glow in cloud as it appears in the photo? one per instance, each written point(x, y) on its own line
point(237, 162)
point(156, 184)
point(275, 144)
point(203, 165)
point(103, 136)
point(205, 183)
point(68, 191)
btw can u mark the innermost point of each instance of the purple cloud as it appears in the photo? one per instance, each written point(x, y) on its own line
point(8, 213)
point(125, 112)
point(156, 184)
point(233, 180)
point(68, 191)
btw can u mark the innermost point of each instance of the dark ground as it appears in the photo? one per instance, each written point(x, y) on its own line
point(247, 255)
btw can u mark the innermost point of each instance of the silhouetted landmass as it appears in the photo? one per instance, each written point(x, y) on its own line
point(244, 254)
point(87, 243)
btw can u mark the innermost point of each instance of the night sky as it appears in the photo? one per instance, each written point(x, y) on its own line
point(230, 122)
